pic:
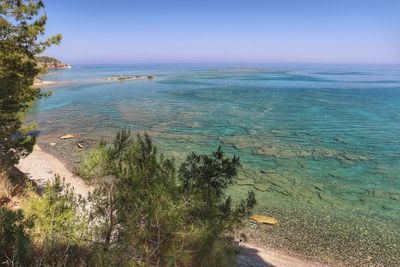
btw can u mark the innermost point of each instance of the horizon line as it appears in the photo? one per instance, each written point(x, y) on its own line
point(232, 62)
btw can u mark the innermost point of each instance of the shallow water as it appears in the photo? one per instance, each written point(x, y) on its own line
point(325, 135)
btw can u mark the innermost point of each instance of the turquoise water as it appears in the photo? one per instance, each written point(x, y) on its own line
point(327, 136)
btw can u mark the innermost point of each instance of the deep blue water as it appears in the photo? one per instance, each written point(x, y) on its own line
point(325, 135)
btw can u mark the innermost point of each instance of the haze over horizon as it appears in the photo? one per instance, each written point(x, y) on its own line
point(304, 31)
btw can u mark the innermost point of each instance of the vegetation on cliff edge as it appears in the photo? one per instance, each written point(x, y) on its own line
point(143, 211)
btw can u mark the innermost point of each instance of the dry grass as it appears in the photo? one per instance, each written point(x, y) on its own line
point(6, 188)
point(11, 185)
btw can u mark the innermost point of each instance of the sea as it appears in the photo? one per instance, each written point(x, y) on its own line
point(321, 136)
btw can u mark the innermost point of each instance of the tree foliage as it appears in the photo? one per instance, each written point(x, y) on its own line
point(22, 27)
point(148, 212)
point(15, 245)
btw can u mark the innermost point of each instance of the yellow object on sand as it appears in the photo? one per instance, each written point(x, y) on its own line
point(67, 136)
point(264, 219)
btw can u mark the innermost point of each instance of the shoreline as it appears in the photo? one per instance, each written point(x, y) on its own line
point(328, 236)
point(41, 166)
point(46, 83)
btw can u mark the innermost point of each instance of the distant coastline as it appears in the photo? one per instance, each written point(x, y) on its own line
point(51, 63)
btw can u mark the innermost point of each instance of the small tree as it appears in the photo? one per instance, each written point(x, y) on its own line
point(148, 213)
point(21, 28)
point(136, 203)
point(204, 180)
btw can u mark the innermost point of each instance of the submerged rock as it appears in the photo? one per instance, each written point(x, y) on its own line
point(278, 133)
point(292, 151)
point(245, 182)
point(128, 78)
point(261, 187)
point(264, 219)
point(318, 187)
point(346, 163)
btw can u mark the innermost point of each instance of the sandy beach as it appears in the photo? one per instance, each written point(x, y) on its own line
point(252, 255)
point(41, 167)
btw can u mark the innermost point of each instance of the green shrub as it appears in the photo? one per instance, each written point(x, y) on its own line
point(60, 231)
point(15, 245)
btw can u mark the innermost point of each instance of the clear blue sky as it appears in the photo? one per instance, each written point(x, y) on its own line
point(156, 31)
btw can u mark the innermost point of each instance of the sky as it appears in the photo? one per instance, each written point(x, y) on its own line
point(224, 31)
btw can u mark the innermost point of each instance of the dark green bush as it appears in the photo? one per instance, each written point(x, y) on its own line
point(15, 244)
